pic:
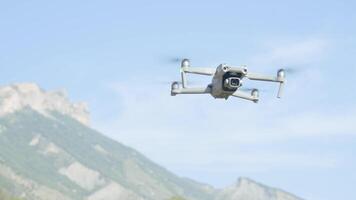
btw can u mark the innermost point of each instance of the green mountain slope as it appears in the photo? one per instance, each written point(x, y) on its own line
point(6, 196)
point(50, 151)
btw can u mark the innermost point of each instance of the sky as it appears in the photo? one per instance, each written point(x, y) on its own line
point(115, 55)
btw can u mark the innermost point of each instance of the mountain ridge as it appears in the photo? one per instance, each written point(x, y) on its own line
point(18, 96)
point(246, 185)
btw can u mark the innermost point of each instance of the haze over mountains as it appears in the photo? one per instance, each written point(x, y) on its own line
point(48, 151)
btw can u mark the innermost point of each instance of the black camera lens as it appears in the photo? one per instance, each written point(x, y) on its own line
point(234, 82)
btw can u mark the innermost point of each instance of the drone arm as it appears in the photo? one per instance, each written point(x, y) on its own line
point(280, 78)
point(243, 95)
point(260, 77)
point(194, 70)
point(199, 70)
point(177, 90)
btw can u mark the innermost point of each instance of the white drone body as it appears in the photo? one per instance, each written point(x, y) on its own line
point(226, 81)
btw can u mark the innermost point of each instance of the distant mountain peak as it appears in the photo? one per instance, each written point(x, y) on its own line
point(18, 96)
point(246, 188)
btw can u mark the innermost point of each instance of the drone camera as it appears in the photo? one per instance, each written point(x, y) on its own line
point(232, 82)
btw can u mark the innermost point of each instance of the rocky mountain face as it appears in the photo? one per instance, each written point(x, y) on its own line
point(18, 96)
point(49, 152)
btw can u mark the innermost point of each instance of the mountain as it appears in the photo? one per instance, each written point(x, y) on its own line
point(251, 190)
point(6, 196)
point(48, 151)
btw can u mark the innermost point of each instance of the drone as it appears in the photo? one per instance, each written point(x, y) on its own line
point(226, 81)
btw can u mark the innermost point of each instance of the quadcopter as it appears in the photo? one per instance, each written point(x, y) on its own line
point(226, 81)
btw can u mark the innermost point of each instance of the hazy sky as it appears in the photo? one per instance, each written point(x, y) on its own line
point(115, 56)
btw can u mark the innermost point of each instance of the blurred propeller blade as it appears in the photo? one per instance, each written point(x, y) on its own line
point(174, 60)
point(180, 82)
point(291, 70)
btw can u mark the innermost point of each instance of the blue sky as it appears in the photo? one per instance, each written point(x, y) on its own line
point(114, 55)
